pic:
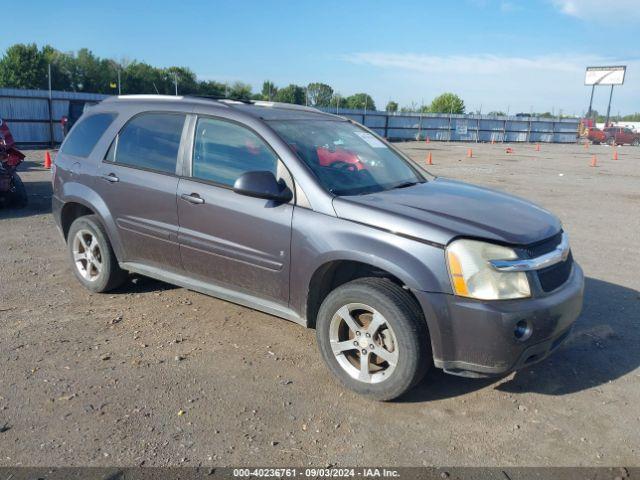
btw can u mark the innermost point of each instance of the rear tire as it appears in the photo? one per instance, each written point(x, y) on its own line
point(373, 337)
point(92, 259)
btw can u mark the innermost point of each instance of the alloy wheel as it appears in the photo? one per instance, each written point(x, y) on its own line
point(363, 343)
point(87, 255)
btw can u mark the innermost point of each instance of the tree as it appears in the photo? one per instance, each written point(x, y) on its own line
point(187, 82)
point(447, 103)
point(211, 88)
point(391, 106)
point(23, 66)
point(361, 101)
point(239, 91)
point(269, 90)
point(338, 101)
point(291, 94)
point(319, 94)
point(140, 77)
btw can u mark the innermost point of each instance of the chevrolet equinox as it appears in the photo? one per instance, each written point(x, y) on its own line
point(313, 218)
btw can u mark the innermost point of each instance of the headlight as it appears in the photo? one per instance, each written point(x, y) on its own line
point(472, 275)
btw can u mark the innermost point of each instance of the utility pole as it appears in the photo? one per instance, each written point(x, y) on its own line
point(119, 90)
point(590, 111)
point(49, 75)
point(175, 81)
point(50, 103)
point(609, 107)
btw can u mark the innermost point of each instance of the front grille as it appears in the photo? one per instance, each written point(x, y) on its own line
point(556, 275)
point(545, 246)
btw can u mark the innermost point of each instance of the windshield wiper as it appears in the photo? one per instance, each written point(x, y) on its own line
point(405, 185)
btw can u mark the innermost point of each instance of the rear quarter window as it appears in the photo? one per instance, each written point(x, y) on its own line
point(84, 136)
point(149, 141)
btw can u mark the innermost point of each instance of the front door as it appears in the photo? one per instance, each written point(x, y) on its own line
point(138, 182)
point(228, 239)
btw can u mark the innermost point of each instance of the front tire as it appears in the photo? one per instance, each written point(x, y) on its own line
point(92, 259)
point(373, 337)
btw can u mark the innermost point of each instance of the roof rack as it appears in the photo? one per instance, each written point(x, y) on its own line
point(222, 99)
point(288, 106)
point(142, 97)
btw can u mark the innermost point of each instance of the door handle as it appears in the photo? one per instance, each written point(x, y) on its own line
point(110, 178)
point(192, 198)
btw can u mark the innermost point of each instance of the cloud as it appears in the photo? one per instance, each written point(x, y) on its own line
point(597, 11)
point(483, 64)
point(540, 82)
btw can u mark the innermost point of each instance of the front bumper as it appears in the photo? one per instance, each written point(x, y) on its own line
point(476, 338)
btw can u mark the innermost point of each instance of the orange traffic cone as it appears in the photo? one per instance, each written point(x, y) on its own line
point(429, 159)
point(508, 150)
point(537, 147)
point(47, 160)
point(427, 140)
point(615, 153)
point(586, 145)
point(594, 161)
point(469, 153)
point(493, 141)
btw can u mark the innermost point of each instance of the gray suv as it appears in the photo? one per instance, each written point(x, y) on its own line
point(316, 219)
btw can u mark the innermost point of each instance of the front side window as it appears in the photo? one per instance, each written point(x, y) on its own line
point(223, 151)
point(149, 141)
point(86, 134)
point(346, 159)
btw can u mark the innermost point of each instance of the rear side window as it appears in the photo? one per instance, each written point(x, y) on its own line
point(149, 141)
point(223, 151)
point(86, 134)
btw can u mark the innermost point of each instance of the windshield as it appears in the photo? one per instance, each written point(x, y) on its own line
point(346, 159)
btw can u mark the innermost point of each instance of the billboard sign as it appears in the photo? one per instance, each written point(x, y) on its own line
point(605, 75)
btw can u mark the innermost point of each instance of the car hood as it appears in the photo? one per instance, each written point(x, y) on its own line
point(442, 209)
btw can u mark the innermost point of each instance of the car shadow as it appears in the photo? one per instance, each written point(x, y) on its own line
point(39, 194)
point(141, 284)
point(602, 347)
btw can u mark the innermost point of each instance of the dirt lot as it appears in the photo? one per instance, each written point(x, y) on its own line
point(157, 375)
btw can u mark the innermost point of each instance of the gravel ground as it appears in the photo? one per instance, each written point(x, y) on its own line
point(157, 375)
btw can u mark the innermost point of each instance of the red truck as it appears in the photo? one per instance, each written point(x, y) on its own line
point(595, 135)
point(621, 136)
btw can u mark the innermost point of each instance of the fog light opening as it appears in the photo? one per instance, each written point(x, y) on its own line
point(522, 330)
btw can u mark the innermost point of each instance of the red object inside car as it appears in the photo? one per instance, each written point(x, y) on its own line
point(328, 157)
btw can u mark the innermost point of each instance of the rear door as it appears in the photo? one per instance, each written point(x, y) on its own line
point(138, 181)
point(232, 240)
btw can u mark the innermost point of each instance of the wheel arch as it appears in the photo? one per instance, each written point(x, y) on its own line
point(333, 273)
point(79, 200)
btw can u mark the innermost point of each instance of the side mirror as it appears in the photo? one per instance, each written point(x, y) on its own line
point(261, 184)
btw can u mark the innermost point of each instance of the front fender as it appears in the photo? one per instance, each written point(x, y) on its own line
point(318, 239)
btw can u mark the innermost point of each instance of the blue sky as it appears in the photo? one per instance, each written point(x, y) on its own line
point(496, 54)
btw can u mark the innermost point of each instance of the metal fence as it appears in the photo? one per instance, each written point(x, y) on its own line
point(34, 117)
point(465, 128)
